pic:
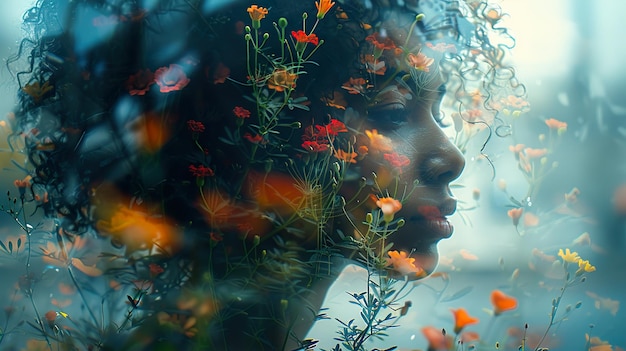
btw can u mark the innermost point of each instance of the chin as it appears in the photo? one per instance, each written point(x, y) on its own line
point(426, 255)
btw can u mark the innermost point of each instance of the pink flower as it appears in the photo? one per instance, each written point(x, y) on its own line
point(171, 78)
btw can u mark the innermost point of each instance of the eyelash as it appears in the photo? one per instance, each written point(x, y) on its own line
point(395, 118)
point(389, 119)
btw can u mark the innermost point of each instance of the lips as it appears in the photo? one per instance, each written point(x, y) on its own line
point(431, 223)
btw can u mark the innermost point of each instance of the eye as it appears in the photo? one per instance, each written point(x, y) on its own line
point(438, 115)
point(388, 119)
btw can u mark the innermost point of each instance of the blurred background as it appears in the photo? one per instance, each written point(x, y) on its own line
point(570, 55)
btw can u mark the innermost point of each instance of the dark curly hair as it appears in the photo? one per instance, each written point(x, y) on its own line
point(96, 135)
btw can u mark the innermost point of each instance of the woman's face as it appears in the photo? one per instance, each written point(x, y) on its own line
point(406, 146)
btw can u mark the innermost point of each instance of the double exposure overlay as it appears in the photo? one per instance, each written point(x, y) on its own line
point(299, 175)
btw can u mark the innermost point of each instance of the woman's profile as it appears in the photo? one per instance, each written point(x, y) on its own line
point(229, 158)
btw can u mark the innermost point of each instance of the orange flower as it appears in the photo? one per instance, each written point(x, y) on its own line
point(515, 214)
point(356, 86)
point(530, 220)
point(282, 79)
point(502, 302)
point(516, 149)
point(257, 14)
point(420, 61)
point(362, 151)
point(535, 153)
point(389, 206)
point(556, 124)
point(323, 6)
point(437, 340)
point(403, 265)
point(348, 157)
point(378, 141)
point(462, 319)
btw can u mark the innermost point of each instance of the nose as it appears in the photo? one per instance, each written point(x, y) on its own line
point(440, 161)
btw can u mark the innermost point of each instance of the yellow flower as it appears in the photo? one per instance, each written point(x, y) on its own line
point(585, 266)
point(323, 6)
point(378, 141)
point(571, 257)
point(257, 14)
point(389, 206)
point(403, 265)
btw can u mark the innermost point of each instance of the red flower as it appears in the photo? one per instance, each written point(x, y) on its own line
point(171, 78)
point(140, 82)
point(195, 126)
point(201, 171)
point(335, 127)
point(241, 112)
point(381, 43)
point(397, 161)
point(303, 38)
point(314, 146)
point(253, 139)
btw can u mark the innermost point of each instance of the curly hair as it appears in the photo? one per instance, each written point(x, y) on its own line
point(121, 104)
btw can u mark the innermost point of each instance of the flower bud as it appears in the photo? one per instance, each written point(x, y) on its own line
point(282, 22)
point(419, 17)
point(362, 182)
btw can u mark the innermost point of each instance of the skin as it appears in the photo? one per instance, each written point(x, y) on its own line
point(435, 162)
point(408, 120)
